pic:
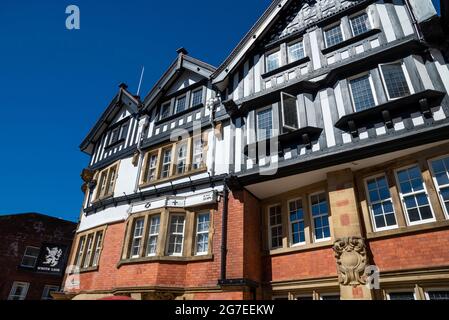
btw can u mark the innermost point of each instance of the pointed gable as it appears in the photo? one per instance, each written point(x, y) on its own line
point(122, 105)
point(283, 18)
point(183, 72)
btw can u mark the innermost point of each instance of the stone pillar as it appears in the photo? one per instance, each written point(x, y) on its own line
point(349, 246)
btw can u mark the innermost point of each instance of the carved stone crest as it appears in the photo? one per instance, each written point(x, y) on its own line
point(351, 260)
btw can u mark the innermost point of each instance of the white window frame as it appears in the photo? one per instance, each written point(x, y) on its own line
point(290, 223)
point(332, 26)
point(401, 291)
point(180, 145)
point(373, 89)
point(312, 217)
point(406, 75)
point(195, 154)
point(46, 291)
point(433, 289)
point(291, 44)
point(163, 163)
point(198, 253)
point(99, 237)
point(134, 237)
point(437, 186)
point(153, 235)
point(174, 254)
point(15, 284)
point(80, 251)
point(277, 52)
point(402, 196)
point(355, 15)
point(257, 123)
point(368, 202)
point(25, 255)
point(270, 227)
point(89, 249)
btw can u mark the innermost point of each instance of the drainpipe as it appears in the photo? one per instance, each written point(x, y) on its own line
point(414, 20)
point(224, 231)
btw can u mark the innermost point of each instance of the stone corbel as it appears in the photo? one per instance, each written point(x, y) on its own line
point(351, 257)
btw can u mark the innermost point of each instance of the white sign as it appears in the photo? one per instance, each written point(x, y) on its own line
point(176, 202)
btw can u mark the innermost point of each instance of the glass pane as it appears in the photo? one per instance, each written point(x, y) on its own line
point(264, 124)
point(402, 296)
point(362, 93)
point(333, 36)
point(360, 24)
point(295, 52)
point(395, 80)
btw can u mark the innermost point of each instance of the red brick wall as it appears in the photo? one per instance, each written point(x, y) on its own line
point(424, 250)
point(243, 258)
point(301, 265)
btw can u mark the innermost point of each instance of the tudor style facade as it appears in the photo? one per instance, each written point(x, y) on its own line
point(318, 151)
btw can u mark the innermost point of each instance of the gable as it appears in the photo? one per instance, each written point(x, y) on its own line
point(186, 79)
point(281, 19)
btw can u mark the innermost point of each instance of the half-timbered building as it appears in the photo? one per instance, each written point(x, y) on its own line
point(312, 164)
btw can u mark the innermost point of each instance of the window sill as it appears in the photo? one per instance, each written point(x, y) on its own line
point(350, 41)
point(106, 197)
point(408, 229)
point(175, 259)
point(285, 67)
point(301, 136)
point(422, 101)
point(179, 114)
point(299, 248)
point(90, 269)
point(112, 145)
point(174, 177)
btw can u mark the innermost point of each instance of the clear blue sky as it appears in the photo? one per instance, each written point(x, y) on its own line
point(55, 83)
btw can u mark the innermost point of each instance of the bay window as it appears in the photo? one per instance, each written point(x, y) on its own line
point(90, 244)
point(106, 184)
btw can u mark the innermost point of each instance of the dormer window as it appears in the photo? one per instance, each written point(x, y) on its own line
point(165, 110)
point(181, 104)
point(360, 24)
point(197, 97)
point(295, 51)
point(273, 61)
point(333, 36)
